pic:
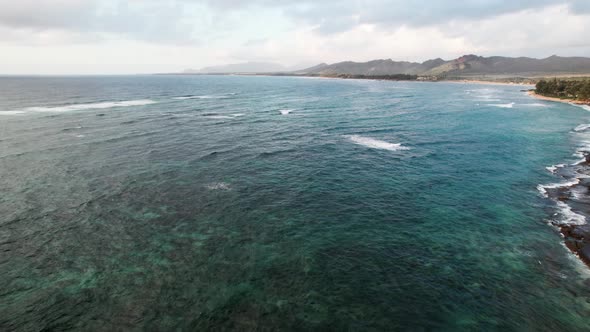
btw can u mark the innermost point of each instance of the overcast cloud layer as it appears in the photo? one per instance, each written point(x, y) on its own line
point(142, 36)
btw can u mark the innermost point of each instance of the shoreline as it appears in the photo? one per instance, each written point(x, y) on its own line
point(533, 94)
point(484, 82)
point(573, 226)
point(457, 81)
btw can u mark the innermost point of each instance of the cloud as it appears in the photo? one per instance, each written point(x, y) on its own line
point(130, 36)
point(158, 21)
point(333, 16)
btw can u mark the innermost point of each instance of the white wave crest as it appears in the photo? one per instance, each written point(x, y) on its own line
point(535, 105)
point(219, 116)
point(202, 97)
point(376, 144)
point(567, 216)
point(218, 186)
point(510, 105)
point(542, 188)
point(582, 127)
point(554, 168)
point(80, 107)
point(11, 112)
point(285, 112)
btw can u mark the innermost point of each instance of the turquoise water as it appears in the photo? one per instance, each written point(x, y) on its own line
point(266, 203)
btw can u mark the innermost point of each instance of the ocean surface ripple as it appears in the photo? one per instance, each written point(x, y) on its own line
point(276, 203)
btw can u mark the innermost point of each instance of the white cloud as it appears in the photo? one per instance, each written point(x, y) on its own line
point(115, 36)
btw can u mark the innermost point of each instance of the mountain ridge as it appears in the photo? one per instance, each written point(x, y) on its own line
point(466, 65)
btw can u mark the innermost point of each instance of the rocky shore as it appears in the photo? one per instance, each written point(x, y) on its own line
point(573, 199)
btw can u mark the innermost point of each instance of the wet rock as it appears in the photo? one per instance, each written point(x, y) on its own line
point(581, 232)
point(585, 253)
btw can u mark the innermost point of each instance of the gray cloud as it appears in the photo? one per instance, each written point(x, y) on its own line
point(142, 20)
point(171, 21)
point(340, 15)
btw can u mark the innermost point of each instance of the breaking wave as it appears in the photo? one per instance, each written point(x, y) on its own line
point(510, 105)
point(376, 144)
point(80, 107)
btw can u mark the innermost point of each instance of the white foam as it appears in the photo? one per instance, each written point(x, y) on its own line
point(542, 188)
point(582, 127)
point(202, 97)
point(11, 112)
point(535, 105)
point(80, 107)
point(511, 105)
point(581, 161)
point(376, 144)
point(286, 112)
point(231, 116)
point(586, 107)
point(220, 117)
point(554, 168)
point(568, 217)
point(218, 186)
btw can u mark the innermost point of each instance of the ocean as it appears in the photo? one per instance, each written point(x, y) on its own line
point(280, 203)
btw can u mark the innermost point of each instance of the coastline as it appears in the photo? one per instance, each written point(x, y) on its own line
point(465, 81)
point(533, 94)
point(484, 82)
point(570, 196)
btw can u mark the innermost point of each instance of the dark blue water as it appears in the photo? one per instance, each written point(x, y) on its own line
point(267, 203)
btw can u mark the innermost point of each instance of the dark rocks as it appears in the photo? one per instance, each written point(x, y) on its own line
point(577, 239)
point(585, 253)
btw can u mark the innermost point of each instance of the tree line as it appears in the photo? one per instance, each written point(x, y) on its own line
point(570, 89)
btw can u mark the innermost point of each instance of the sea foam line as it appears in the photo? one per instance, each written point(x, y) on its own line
point(542, 188)
point(12, 112)
point(376, 144)
point(80, 107)
point(510, 105)
point(204, 97)
point(554, 168)
point(569, 217)
point(582, 127)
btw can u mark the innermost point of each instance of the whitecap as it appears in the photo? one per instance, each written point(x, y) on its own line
point(11, 112)
point(376, 144)
point(567, 216)
point(218, 186)
point(535, 105)
point(582, 127)
point(102, 105)
point(511, 105)
point(220, 117)
point(542, 188)
point(201, 97)
point(554, 168)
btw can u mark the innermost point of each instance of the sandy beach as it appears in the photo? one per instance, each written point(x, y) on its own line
point(567, 101)
point(486, 82)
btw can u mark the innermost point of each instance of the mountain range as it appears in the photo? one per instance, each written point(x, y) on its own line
point(467, 65)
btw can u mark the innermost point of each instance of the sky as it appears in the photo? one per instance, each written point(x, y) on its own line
point(153, 36)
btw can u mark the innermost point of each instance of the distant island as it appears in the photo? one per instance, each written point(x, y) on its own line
point(521, 70)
